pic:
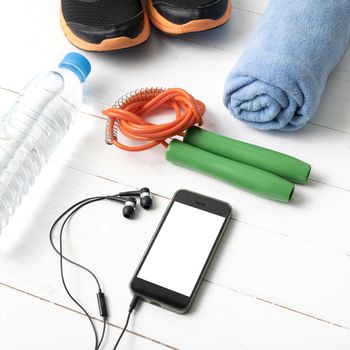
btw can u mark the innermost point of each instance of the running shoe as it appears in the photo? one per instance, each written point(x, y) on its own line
point(186, 16)
point(104, 25)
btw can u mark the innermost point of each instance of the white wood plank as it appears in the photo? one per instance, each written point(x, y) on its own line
point(255, 6)
point(221, 318)
point(231, 323)
point(29, 323)
point(217, 51)
point(286, 256)
point(318, 213)
point(43, 326)
point(328, 232)
point(251, 260)
point(290, 273)
point(332, 168)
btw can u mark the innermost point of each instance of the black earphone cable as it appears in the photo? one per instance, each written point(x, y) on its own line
point(97, 342)
point(76, 207)
point(123, 331)
point(132, 306)
point(101, 299)
point(103, 332)
point(73, 209)
point(88, 201)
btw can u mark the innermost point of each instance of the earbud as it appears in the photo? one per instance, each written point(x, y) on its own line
point(129, 204)
point(129, 207)
point(145, 198)
point(144, 194)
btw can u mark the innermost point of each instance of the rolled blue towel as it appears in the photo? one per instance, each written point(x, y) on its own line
point(279, 80)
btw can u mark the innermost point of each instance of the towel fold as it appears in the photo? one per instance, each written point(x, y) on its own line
point(279, 80)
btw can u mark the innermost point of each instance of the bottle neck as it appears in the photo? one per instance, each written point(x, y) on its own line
point(69, 74)
point(72, 92)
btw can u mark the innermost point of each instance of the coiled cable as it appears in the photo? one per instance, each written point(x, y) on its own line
point(129, 113)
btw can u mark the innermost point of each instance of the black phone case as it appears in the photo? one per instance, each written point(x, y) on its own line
point(157, 295)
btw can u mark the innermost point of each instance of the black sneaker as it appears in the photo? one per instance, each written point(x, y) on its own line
point(104, 25)
point(186, 16)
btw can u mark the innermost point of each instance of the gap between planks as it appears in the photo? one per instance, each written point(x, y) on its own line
point(332, 324)
point(103, 118)
point(240, 292)
point(232, 217)
point(279, 305)
point(80, 313)
point(165, 197)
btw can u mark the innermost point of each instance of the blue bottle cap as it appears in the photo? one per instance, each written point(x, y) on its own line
point(78, 64)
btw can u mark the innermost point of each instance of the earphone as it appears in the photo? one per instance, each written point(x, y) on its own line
point(144, 194)
point(130, 203)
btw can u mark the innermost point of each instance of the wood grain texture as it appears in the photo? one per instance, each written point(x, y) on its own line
point(281, 276)
point(233, 302)
point(33, 323)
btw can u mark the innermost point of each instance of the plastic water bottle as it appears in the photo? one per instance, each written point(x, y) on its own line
point(34, 125)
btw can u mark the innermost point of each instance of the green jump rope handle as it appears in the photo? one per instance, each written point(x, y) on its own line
point(274, 162)
point(236, 173)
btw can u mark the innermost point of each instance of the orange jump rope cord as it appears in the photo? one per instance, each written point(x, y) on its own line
point(130, 114)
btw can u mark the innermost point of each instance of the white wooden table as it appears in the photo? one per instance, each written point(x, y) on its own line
point(281, 278)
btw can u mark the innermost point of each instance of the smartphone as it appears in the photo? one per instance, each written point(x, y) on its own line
point(174, 264)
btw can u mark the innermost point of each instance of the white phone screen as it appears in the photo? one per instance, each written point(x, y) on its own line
point(181, 248)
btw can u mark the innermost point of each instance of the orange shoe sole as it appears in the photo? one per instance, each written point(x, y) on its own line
point(119, 43)
point(198, 25)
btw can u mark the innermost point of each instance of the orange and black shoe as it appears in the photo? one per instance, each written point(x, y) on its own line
point(104, 25)
point(186, 16)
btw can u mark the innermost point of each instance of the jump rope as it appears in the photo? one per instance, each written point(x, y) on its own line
point(256, 169)
point(259, 170)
